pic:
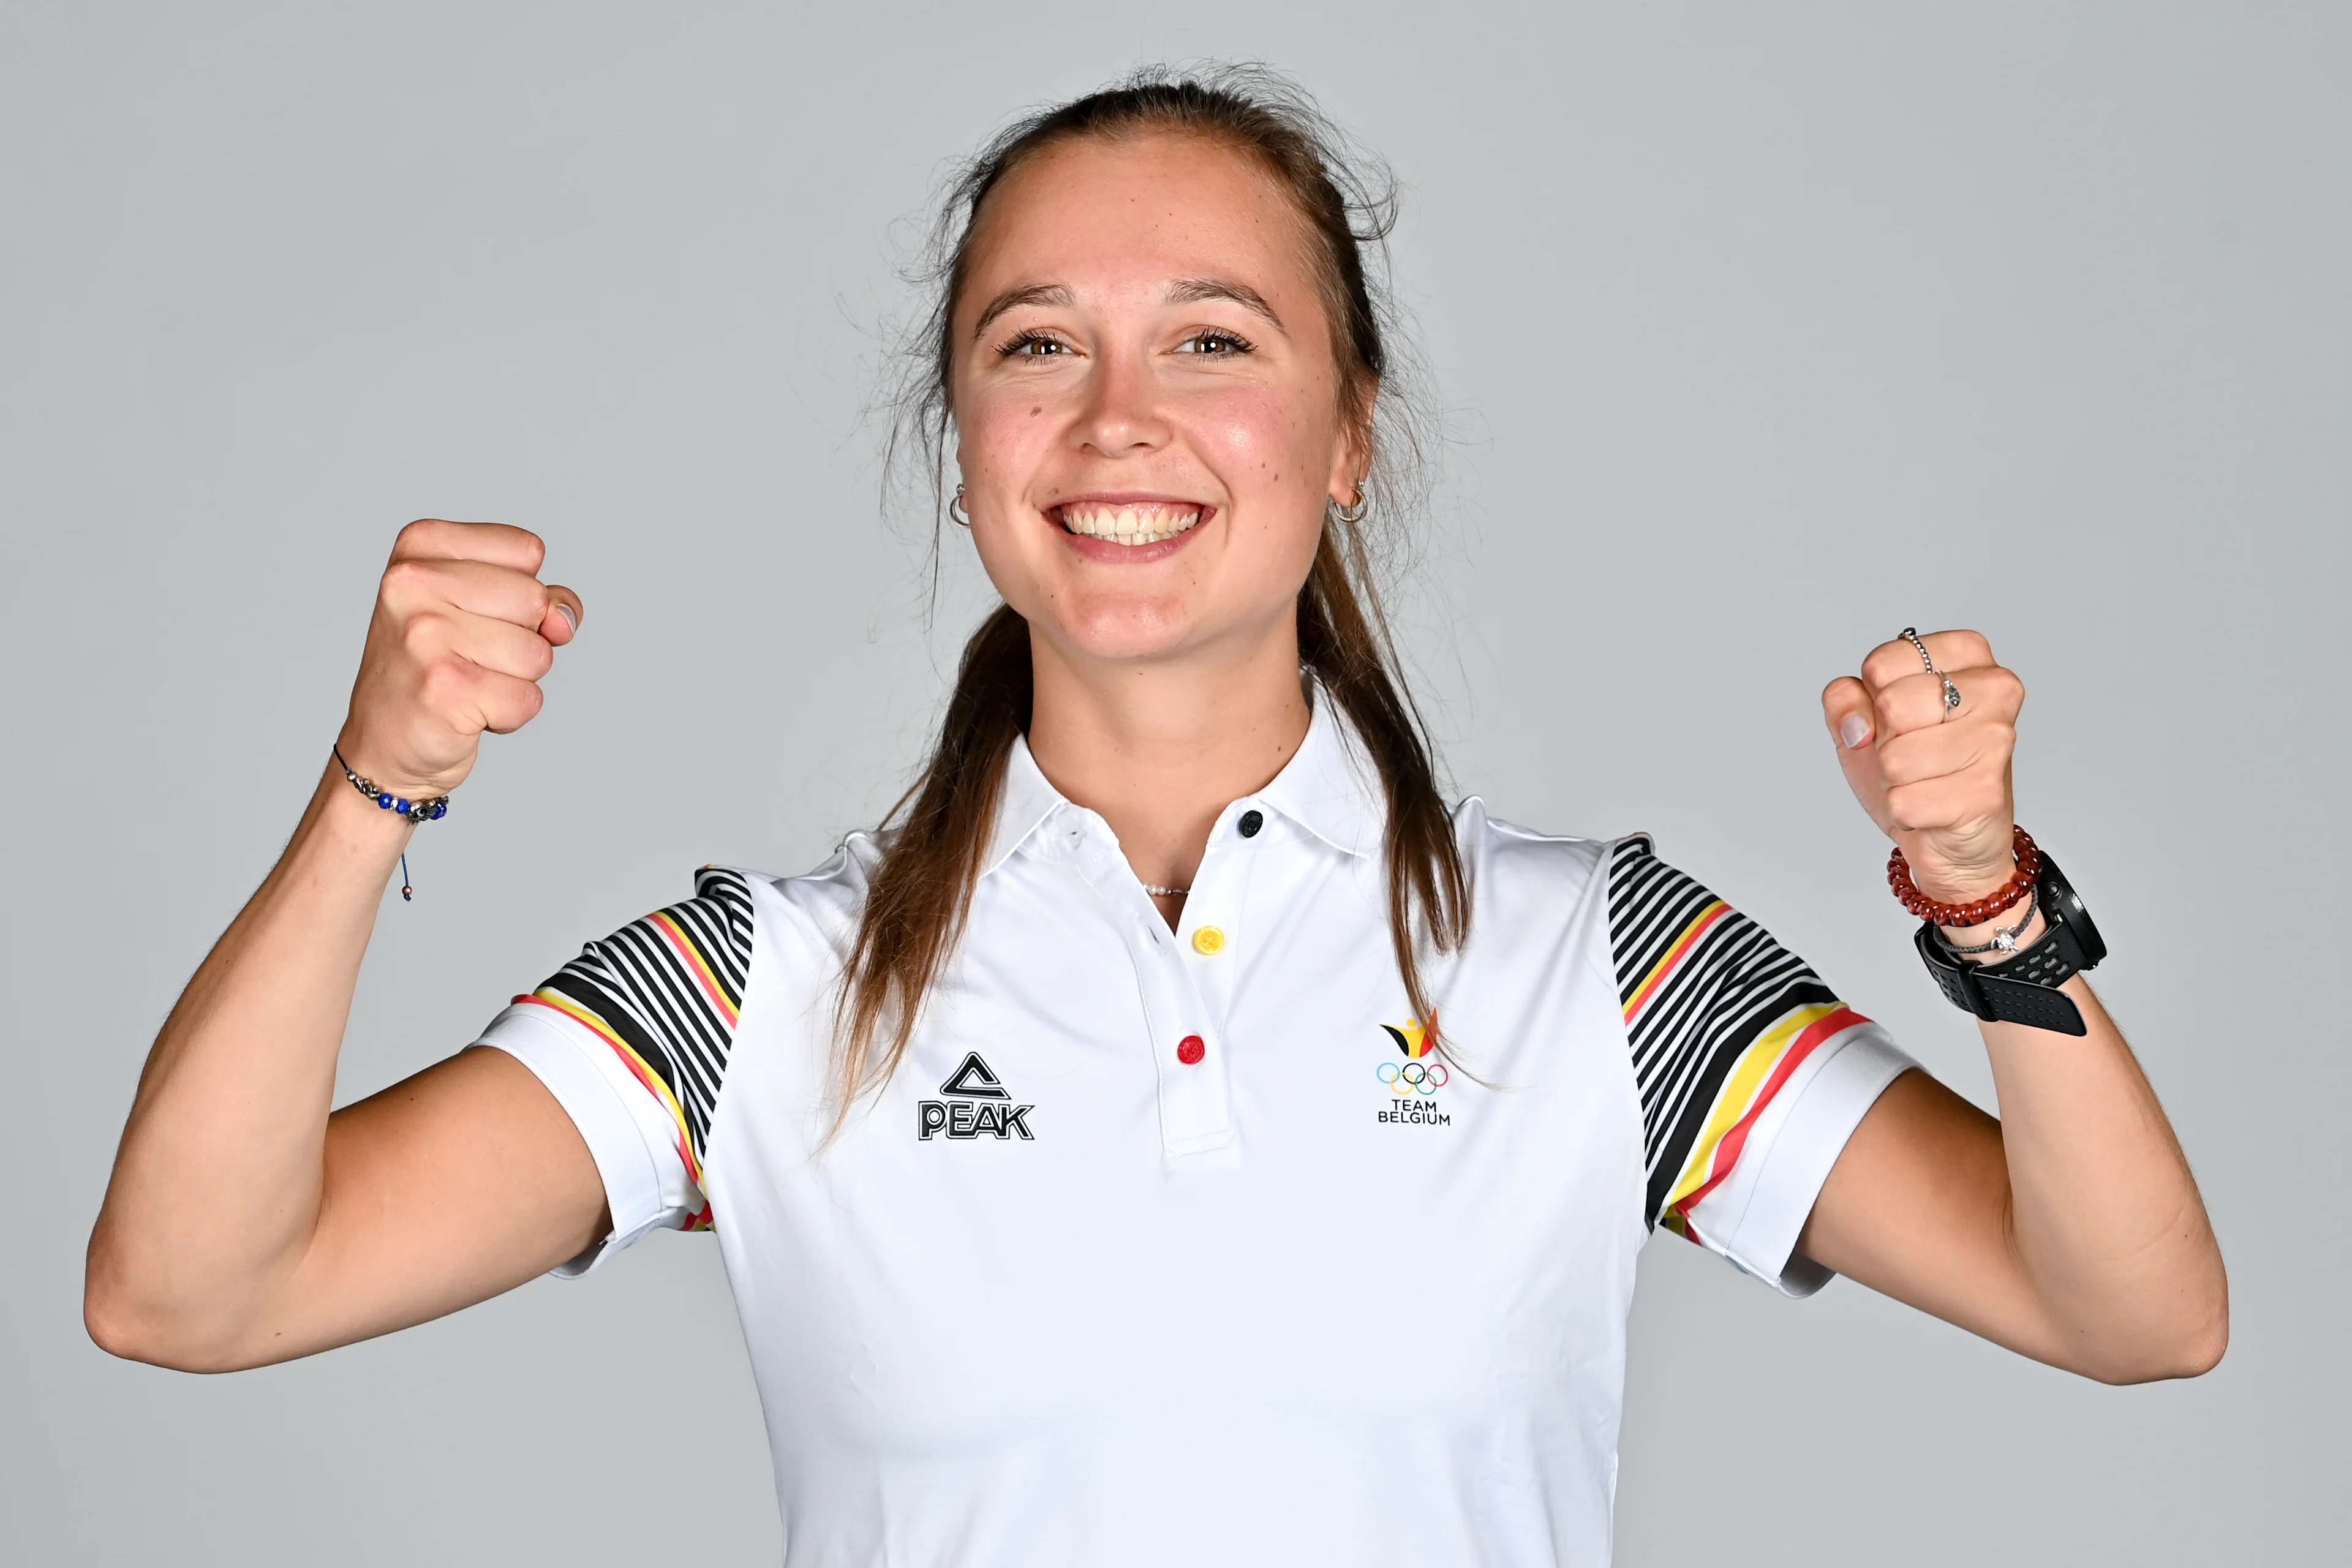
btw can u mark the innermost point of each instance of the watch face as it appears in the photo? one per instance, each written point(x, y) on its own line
point(2059, 896)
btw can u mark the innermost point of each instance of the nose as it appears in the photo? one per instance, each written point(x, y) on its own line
point(1121, 417)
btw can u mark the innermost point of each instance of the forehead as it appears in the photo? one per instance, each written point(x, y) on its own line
point(1136, 212)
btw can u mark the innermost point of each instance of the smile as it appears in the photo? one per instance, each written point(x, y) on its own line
point(1131, 523)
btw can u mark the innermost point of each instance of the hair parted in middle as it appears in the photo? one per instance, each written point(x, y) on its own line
point(922, 891)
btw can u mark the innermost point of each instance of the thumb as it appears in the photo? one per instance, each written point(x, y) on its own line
point(561, 623)
point(1852, 724)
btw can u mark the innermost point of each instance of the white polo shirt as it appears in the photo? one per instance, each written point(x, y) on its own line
point(1178, 1247)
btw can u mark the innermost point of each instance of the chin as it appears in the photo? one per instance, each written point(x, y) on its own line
point(1122, 633)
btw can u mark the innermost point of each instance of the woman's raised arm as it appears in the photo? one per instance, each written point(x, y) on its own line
point(247, 1223)
point(2071, 1229)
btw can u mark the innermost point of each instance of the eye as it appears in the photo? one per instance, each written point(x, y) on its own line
point(1215, 342)
point(1034, 345)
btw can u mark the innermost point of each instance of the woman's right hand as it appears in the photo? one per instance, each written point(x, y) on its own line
point(463, 632)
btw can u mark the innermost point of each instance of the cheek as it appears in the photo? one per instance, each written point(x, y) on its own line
point(999, 432)
point(1265, 443)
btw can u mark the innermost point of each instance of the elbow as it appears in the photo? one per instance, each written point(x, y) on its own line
point(117, 1326)
point(2202, 1353)
point(2193, 1355)
point(2191, 1349)
point(2197, 1352)
point(125, 1321)
point(133, 1335)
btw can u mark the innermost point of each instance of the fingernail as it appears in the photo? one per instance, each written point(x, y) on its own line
point(570, 619)
point(1854, 729)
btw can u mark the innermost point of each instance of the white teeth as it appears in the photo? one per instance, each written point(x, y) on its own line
point(1147, 523)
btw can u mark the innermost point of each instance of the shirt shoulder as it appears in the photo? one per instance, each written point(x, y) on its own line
point(1511, 863)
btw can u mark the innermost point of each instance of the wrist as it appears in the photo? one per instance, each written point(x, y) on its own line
point(2003, 936)
point(2002, 898)
point(412, 810)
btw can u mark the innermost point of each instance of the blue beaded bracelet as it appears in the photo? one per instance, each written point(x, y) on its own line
point(432, 810)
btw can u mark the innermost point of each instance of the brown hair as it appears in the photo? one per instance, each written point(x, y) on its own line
point(922, 891)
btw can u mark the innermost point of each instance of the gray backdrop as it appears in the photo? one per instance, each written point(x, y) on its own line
point(1764, 335)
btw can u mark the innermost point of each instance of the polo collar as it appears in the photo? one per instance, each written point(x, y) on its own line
point(1328, 787)
point(1027, 801)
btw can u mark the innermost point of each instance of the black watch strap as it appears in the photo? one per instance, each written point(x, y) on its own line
point(2024, 989)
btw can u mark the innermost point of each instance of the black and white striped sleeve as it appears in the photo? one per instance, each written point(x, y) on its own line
point(633, 1037)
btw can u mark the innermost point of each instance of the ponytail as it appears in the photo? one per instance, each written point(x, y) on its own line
point(1343, 639)
point(919, 894)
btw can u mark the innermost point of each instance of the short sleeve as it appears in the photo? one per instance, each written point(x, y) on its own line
point(633, 1037)
point(1752, 1072)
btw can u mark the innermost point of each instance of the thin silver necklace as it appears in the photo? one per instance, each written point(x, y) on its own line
point(1167, 892)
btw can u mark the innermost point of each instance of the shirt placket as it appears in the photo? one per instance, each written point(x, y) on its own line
point(1195, 1094)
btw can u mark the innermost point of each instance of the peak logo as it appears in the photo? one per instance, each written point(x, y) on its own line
point(1414, 1081)
point(977, 1105)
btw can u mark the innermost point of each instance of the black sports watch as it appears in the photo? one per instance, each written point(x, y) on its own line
point(2024, 989)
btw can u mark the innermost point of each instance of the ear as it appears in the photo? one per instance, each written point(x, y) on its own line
point(1351, 455)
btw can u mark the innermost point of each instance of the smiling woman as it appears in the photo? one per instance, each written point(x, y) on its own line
point(1060, 1135)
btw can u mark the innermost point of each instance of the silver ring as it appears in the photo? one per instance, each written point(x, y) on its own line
point(1951, 696)
point(1911, 636)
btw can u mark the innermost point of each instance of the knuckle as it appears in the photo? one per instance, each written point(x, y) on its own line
point(425, 536)
point(534, 549)
point(407, 579)
point(1885, 665)
point(445, 685)
point(424, 633)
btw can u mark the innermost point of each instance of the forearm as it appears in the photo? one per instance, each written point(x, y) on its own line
point(216, 1187)
point(2104, 1218)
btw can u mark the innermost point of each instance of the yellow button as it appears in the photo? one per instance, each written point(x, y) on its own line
point(1208, 941)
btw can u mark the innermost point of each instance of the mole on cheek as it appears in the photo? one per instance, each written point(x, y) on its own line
point(1036, 410)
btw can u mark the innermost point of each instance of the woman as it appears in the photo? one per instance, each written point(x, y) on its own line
point(1181, 1136)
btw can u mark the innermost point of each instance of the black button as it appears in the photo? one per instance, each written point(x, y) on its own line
point(1250, 823)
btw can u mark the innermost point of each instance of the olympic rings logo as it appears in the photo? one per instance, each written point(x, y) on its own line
point(1413, 1077)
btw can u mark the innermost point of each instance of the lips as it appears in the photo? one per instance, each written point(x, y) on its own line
point(1131, 523)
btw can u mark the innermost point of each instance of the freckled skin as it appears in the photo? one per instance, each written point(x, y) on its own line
point(1121, 407)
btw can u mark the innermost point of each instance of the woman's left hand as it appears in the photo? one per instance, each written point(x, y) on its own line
point(1934, 777)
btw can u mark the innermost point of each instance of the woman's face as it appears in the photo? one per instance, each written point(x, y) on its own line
point(1146, 403)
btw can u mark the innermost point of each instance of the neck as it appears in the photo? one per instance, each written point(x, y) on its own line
point(1159, 750)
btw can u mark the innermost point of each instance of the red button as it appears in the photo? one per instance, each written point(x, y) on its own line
point(1190, 1050)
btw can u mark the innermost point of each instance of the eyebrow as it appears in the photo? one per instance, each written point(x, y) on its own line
point(1183, 292)
point(1192, 291)
point(1026, 294)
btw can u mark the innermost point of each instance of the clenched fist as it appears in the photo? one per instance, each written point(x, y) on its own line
point(1933, 776)
point(463, 631)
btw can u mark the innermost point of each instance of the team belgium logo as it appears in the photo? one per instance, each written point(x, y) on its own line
point(1413, 1083)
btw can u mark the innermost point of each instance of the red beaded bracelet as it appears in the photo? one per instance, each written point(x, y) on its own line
point(2006, 896)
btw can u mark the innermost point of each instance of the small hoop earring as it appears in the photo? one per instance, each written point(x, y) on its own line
point(1354, 513)
point(956, 512)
